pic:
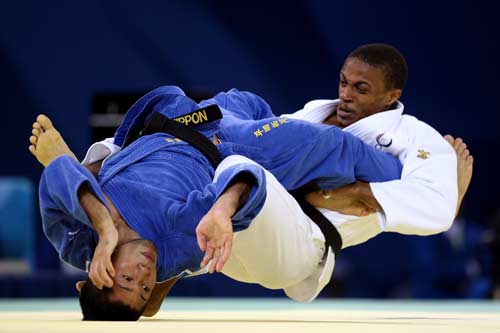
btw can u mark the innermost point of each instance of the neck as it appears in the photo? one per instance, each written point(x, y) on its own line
point(332, 119)
point(125, 233)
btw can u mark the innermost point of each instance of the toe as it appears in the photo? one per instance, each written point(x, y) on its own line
point(457, 143)
point(449, 138)
point(461, 148)
point(33, 139)
point(465, 153)
point(36, 125)
point(44, 122)
point(469, 160)
point(35, 132)
point(32, 149)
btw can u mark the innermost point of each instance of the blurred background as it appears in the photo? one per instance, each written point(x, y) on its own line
point(84, 63)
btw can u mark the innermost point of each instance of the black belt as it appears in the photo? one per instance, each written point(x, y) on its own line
point(332, 235)
point(182, 130)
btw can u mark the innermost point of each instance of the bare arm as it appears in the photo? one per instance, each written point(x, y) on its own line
point(101, 268)
point(354, 199)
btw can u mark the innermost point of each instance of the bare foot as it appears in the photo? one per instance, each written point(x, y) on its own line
point(464, 166)
point(46, 143)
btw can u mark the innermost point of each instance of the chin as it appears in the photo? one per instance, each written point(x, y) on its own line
point(346, 122)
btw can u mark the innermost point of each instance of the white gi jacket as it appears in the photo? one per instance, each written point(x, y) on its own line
point(423, 202)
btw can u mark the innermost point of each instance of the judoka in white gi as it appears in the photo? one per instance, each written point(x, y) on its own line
point(426, 198)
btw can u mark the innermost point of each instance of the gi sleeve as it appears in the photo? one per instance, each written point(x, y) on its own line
point(199, 202)
point(424, 201)
point(238, 168)
point(64, 220)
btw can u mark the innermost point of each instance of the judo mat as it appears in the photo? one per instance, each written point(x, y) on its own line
point(261, 315)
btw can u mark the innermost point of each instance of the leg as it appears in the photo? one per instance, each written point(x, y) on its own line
point(46, 142)
point(281, 247)
point(464, 166)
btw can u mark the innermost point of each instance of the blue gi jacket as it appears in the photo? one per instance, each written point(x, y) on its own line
point(162, 187)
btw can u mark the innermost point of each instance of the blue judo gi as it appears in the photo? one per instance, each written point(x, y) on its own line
point(162, 186)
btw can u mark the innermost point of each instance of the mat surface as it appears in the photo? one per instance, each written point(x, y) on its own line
point(261, 315)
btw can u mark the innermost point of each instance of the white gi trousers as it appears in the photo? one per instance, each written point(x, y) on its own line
point(282, 248)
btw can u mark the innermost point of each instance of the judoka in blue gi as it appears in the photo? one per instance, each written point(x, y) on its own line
point(154, 212)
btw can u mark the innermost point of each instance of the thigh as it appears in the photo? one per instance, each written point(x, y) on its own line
point(281, 247)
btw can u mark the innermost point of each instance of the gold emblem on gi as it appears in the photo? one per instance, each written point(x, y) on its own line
point(268, 127)
point(423, 154)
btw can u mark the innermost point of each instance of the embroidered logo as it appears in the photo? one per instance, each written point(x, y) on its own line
point(258, 133)
point(383, 142)
point(269, 127)
point(423, 154)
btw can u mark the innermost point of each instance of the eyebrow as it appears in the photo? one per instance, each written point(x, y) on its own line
point(128, 289)
point(357, 83)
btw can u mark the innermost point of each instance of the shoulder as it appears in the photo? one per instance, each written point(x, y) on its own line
point(418, 127)
point(422, 134)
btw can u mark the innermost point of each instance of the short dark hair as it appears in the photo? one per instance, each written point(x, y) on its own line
point(96, 305)
point(386, 57)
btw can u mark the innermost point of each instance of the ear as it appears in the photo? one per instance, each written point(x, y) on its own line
point(79, 285)
point(394, 95)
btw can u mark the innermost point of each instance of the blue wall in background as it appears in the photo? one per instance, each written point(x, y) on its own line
point(54, 56)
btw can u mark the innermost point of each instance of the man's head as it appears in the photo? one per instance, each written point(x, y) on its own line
point(371, 81)
point(134, 280)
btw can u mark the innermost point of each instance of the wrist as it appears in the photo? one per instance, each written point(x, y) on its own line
point(233, 198)
point(365, 195)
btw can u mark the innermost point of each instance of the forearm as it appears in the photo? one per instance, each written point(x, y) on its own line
point(353, 199)
point(416, 207)
point(235, 196)
point(364, 194)
point(95, 210)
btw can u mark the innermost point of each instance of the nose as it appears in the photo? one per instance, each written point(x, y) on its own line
point(345, 93)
